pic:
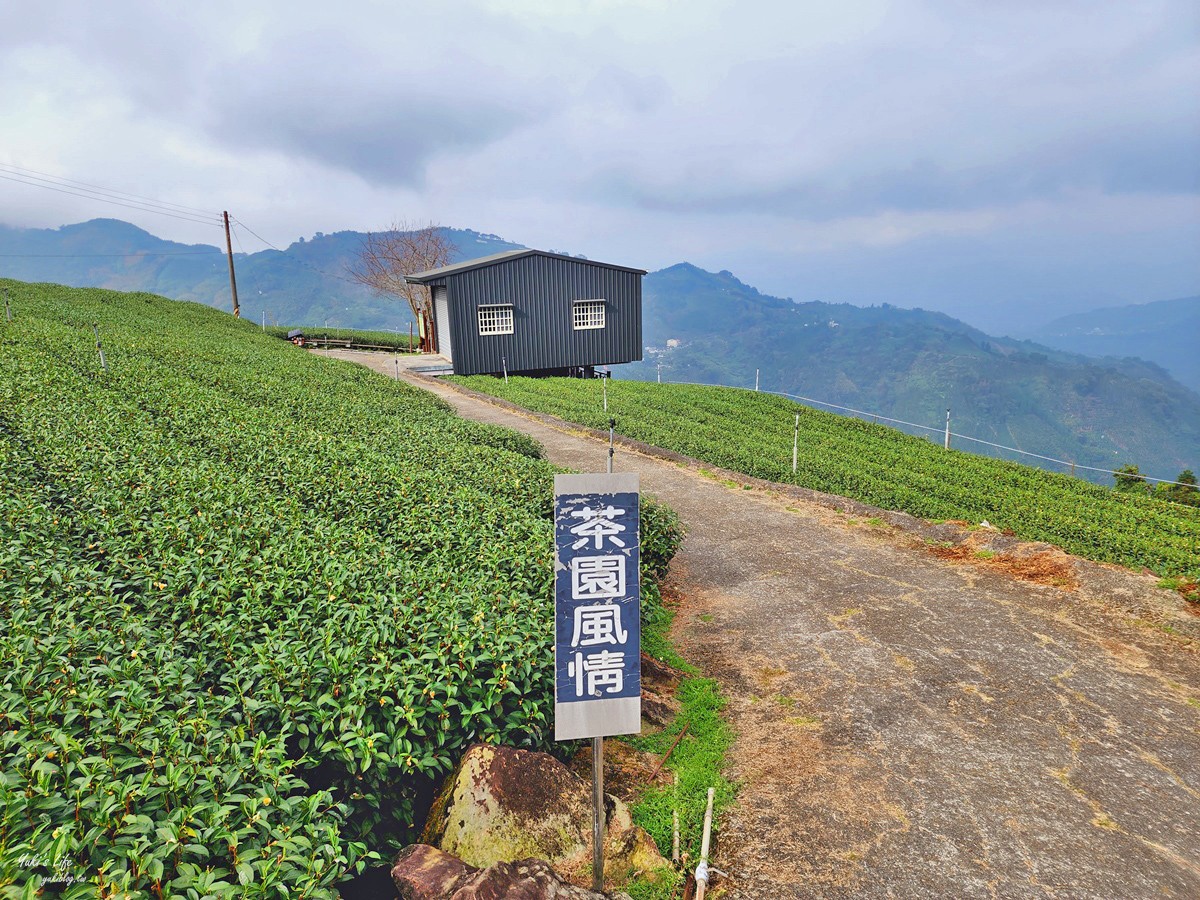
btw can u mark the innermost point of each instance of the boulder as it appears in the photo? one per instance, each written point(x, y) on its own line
point(422, 872)
point(503, 804)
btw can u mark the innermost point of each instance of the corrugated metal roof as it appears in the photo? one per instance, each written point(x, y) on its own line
point(506, 256)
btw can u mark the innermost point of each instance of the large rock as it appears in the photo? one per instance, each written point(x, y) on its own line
point(422, 872)
point(503, 804)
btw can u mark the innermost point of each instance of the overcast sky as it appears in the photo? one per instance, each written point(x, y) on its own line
point(1003, 160)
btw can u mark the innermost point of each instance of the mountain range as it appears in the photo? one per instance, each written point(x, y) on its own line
point(307, 284)
point(1167, 331)
point(1105, 410)
point(913, 365)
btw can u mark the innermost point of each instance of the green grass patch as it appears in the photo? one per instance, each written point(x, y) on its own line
point(698, 761)
point(805, 721)
point(357, 336)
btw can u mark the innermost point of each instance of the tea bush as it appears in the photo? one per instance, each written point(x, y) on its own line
point(255, 602)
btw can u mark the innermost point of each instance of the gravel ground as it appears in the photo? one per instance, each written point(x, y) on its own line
point(913, 720)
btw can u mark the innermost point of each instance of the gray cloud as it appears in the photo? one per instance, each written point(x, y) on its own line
point(881, 137)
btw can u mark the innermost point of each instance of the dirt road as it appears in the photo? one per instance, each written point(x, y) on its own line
point(916, 727)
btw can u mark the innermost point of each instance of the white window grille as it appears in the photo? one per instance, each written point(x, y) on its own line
point(588, 314)
point(496, 319)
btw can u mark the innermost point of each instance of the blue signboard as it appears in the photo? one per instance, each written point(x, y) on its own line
point(597, 646)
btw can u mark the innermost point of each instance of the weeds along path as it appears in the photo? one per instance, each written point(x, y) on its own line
point(910, 726)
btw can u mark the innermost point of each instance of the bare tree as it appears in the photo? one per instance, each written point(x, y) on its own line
point(404, 249)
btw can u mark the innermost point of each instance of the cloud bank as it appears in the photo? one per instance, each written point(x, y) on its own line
point(997, 161)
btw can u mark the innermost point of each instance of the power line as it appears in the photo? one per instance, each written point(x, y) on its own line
point(292, 259)
point(238, 221)
point(104, 255)
point(57, 179)
point(88, 195)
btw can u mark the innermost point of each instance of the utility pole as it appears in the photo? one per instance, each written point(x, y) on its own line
point(237, 310)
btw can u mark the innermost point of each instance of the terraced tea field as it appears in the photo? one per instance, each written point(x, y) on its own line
point(752, 433)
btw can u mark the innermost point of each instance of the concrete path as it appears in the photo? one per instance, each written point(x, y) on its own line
point(912, 727)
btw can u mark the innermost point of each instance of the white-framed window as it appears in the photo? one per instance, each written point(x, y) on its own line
point(588, 314)
point(496, 318)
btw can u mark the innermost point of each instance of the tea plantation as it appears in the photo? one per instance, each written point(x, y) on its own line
point(753, 433)
point(254, 602)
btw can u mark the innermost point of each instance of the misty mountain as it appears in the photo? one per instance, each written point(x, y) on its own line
point(306, 284)
point(912, 364)
point(1166, 332)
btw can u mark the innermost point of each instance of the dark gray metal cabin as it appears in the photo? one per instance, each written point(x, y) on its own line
point(535, 312)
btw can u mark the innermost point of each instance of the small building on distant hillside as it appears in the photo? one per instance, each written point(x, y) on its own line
point(533, 312)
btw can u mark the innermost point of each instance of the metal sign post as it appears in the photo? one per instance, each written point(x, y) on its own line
point(597, 616)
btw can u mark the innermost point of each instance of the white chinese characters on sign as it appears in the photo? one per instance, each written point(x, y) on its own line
point(597, 577)
point(597, 670)
point(598, 625)
point(597, 525)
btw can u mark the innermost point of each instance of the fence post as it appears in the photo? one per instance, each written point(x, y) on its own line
point(947, 429)
point(795, 443)
point(103, 362)
point(756, 379)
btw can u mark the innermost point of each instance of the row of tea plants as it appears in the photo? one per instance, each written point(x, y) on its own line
point(752, 433)
point(255, 602)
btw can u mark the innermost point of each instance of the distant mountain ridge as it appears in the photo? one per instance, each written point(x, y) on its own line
point(909, 364)
point(1166, 331)
point(308, 283)
point(913, 364)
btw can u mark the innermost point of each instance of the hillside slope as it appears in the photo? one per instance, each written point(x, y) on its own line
point(913, 365)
